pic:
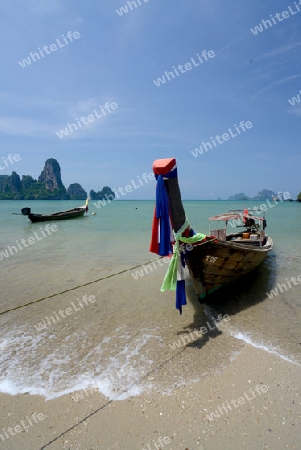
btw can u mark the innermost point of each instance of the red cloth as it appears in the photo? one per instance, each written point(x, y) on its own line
point(155, 239)
point(154, 245)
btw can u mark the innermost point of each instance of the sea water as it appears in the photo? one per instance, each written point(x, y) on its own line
point(119, 350)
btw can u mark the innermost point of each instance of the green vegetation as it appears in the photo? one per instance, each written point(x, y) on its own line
point(12, 188)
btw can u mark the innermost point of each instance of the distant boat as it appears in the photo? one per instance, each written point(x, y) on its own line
point(214, 259)
point(62, 215)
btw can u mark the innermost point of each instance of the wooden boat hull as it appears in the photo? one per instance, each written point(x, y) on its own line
point(214, 264)
point(71, 214)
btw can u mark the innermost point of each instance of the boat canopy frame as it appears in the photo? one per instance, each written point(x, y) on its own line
point(235, 215)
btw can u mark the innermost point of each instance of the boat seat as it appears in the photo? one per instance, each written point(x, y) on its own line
point(220, 234)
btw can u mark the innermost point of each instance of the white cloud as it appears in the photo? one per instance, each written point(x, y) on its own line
point(295, 110)
point(42, 7)
point(19, 126)
point(279, 51)
point(276, 83)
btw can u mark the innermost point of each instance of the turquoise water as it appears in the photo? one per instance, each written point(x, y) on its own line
point(117, 238)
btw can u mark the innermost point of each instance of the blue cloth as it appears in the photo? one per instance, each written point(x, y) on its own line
point(162, 213)
point(180, 295)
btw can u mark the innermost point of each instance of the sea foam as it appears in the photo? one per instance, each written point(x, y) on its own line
point(43, 365)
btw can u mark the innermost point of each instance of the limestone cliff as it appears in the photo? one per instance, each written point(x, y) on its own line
point(104, 194)
point(51, 175)
point(76, 192)
point(10, 184)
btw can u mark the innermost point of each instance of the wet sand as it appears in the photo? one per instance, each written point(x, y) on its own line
point(175, 388)
point(270, 420)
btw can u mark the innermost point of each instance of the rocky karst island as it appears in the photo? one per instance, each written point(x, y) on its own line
point(49, 186)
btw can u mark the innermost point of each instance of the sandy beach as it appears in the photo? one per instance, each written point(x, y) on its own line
point(254, 394)
point(269, 421)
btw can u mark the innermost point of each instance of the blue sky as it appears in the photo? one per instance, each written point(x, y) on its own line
point(118, 57)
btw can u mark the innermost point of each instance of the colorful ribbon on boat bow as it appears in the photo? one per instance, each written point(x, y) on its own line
point(174, 279)
point(162, 233)
point(162, 236)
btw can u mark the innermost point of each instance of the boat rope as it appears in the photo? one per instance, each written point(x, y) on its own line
point(116, 397)
point(77, 287)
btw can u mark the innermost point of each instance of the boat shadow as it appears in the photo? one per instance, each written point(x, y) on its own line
point(244, 293)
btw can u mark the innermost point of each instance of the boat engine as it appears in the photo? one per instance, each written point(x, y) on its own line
point(25, 211)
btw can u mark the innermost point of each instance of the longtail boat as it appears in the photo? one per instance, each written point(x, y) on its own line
point(213, 259)
point(62, 215)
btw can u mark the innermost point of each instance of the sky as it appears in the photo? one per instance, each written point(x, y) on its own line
point(97, 54)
